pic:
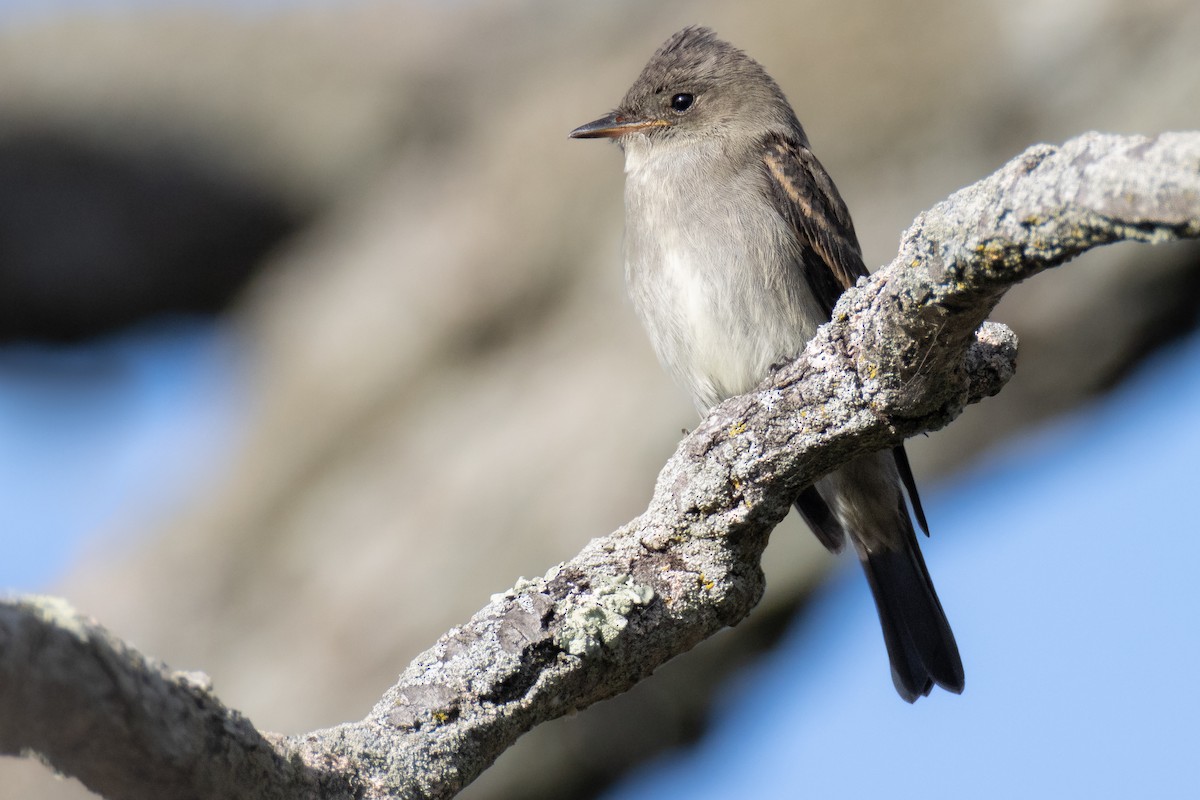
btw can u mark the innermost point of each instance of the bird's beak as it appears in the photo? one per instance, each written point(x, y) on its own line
point(614, 126)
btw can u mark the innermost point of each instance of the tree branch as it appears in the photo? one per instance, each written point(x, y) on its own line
point(907, 349)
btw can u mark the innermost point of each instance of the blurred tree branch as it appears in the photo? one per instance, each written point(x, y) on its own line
point(906, 351)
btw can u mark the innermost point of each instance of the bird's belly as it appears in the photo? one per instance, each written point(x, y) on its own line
point(718, 328)
point(714, 273)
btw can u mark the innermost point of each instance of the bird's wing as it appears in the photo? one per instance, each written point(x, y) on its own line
point(806, 197)
point(829, 253)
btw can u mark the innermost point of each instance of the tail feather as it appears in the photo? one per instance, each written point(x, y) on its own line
point(919, 641)
point(910, 485)
point(820, 519)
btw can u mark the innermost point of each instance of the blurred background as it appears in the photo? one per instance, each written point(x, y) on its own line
point(313, 336)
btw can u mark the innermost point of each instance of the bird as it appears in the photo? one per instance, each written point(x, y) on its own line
point(737, 246)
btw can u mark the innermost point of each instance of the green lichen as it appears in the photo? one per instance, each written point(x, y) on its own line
point(600, 616)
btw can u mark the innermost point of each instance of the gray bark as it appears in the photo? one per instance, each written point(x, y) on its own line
point(907, 349)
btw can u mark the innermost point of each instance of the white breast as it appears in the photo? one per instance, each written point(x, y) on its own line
point(712, 270)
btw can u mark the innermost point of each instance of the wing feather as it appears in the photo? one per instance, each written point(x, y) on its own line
point(830, 256)
point(806, 197)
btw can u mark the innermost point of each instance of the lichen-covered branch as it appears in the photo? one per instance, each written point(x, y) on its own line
point(906, 351)
point(91, 706)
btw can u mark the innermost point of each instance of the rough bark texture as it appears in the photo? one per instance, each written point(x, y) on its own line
point(906, 351)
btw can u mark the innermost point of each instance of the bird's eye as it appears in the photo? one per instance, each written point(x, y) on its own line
point(682, 102)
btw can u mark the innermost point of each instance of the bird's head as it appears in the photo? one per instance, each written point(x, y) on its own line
point(696, 87)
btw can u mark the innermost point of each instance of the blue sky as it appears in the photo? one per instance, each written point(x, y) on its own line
point(108, 433)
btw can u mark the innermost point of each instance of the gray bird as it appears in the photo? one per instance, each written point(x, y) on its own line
point(737, 246)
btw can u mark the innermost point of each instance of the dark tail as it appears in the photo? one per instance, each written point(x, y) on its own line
point(919, 641)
